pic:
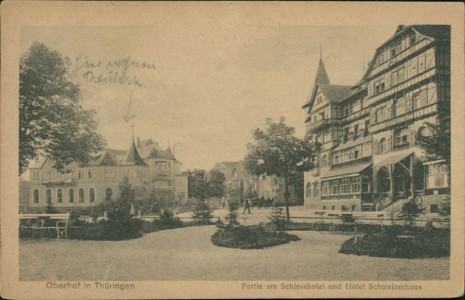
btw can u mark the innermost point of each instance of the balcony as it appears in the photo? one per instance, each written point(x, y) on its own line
point(361, 160)
point(400, 146)
point(320, 125)
point(59, 182)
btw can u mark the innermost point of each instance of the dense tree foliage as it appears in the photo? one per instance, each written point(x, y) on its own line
point(52, 122)
point(215, 183)
point(197, 184)
point(276, 151)
point(435, 139)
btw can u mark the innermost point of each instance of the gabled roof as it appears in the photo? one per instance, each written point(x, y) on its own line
point(433, 31)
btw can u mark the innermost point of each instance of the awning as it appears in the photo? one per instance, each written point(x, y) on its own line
point(345, 172)
point(392, 160)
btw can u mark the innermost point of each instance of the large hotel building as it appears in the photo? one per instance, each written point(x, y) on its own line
point(369, 158)
point(153, 172)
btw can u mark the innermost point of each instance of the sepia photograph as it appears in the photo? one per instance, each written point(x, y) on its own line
point(206, 146)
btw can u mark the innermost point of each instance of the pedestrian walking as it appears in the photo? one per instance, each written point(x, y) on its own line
point(247, 206)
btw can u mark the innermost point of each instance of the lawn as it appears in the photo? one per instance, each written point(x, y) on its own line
point(188, 254)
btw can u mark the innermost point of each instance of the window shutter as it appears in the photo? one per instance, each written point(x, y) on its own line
point(388, 144)
point(412, 138)
point(430, 60)
point(432, 97)
point(376, 147)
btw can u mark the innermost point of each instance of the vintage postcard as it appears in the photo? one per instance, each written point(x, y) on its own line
point(232, 150)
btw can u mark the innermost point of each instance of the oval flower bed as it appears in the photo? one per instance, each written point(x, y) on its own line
point(250, 237)
point(430, 243)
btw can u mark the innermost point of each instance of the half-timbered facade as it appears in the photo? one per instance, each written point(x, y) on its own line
point(369, 158)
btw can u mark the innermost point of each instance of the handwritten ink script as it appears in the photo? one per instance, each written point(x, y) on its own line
point(116, 71)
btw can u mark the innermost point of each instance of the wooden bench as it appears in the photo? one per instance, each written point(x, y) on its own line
point(40, 228)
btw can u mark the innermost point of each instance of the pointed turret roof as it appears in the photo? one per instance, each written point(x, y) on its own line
point(321, 75)
point(320, 79)
point(133, 157)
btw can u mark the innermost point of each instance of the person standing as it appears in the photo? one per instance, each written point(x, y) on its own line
point(247, 206)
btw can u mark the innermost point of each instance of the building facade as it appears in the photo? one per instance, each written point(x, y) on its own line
point(152, 171)
point(369, 159)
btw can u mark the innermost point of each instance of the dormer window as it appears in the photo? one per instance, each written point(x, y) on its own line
point(396, 48)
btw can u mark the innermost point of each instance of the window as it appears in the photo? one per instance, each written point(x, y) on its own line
point(315, 189)
point(401, 137)
point(91, 195)
point(325, 188)
point(309, 189)
point(420, 98)
point(356, 185)
point(365, 185)
point(345, 186)
point(108, 194)
point(382, 145)
point(107, 173)
point(48, 196)
point(91, 174)
point(71, 196)
point(356, 154)
point(36, 196)
point(81, 195)
point(396, 48)
point(434, 208)
point(35, 176)
point(60, 196)
point(437, 176)
point(335, 187)
point(79, 174)
point(381, 114)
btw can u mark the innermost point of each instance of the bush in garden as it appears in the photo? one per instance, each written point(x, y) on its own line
point(277, 218)
point(231, 216)
point(202, 213)
point(424, 244)
point(250, 237)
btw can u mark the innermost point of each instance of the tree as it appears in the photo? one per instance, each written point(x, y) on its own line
point(276, 151)
point(52, 122)
point(202, 212)
point(127, 197)
point(215, 184)
point(435, 138)
point(410, 211)
point(197, 185)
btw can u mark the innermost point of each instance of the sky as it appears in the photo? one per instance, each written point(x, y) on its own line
point(203, 89)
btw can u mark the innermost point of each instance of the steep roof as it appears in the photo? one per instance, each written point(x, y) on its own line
point(335, 93)
point(145, 147)
point(321, 75)
point(133, 157)
point(162, 154)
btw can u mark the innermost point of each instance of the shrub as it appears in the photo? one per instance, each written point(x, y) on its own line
point(277, 218)
point(410, 211)
point(202, 213)
point(250, 237)
point(231, 217)
point(429, 243)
